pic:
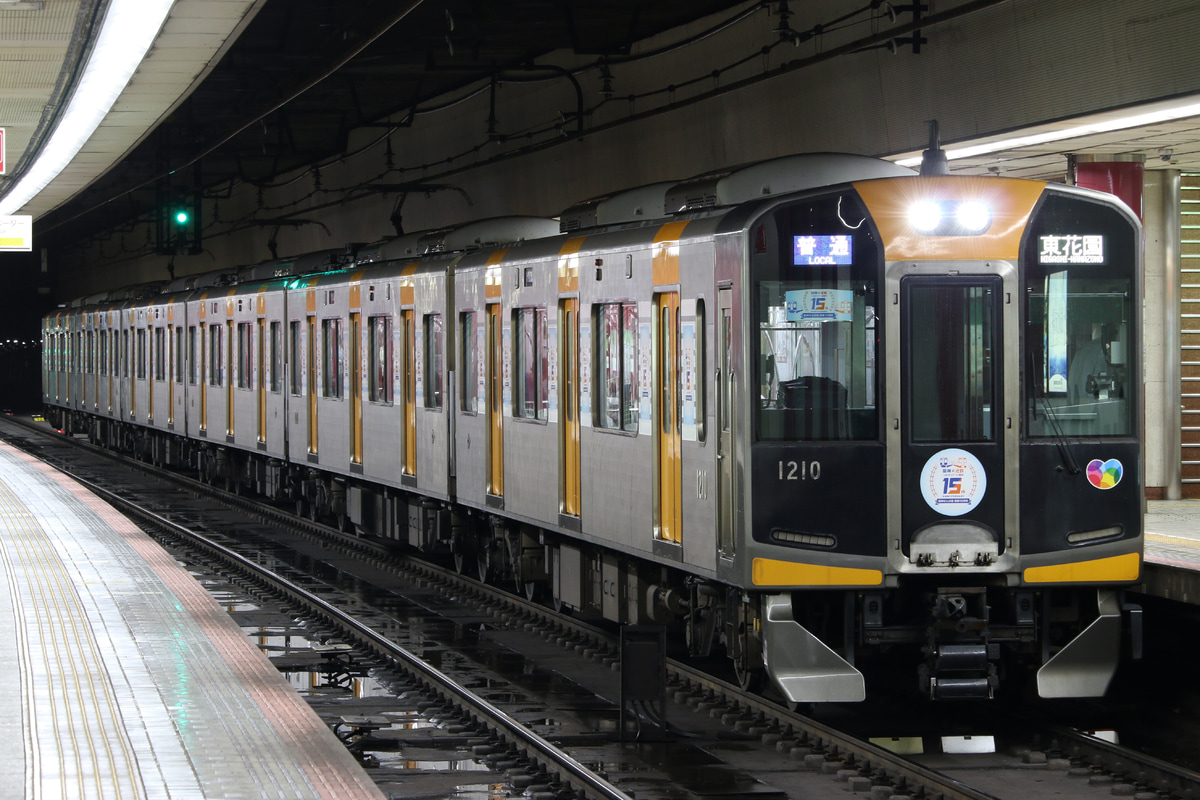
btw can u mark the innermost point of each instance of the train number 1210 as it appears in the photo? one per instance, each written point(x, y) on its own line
point(799, 470)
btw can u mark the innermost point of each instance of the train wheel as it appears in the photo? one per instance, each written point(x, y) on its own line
point(483, 562)
point(750, 679)
point(532, 591)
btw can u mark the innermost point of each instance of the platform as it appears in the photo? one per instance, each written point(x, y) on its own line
point(124, 679)
point(1172, 564)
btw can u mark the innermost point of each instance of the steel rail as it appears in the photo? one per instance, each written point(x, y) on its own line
point(580, 777)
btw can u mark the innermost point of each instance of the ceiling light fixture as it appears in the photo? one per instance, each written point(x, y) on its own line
point(21, 5)
point(130, 28)
point(1188, 108)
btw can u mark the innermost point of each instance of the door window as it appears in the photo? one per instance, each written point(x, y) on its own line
point(951, 369)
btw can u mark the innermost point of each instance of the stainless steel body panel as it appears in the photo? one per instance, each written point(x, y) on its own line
point(471, 426)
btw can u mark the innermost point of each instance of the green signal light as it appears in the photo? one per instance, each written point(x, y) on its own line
point(181, 217)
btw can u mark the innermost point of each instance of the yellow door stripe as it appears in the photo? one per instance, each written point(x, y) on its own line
point(665, 266)
point(493, 276)
point(1126, 567)
point(769, 572)
point(568, 264)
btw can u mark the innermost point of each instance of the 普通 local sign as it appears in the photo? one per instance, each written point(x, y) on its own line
point(16, 233)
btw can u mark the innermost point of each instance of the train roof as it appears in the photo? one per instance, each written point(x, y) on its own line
point(491, 232)
point(631, 205)
point(295, 266)
point(776, 176)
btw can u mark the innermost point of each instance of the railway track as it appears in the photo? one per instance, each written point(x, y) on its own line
point(776, 751)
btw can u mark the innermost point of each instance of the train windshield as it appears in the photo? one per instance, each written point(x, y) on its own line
point(814, 267)
point(1079, 261)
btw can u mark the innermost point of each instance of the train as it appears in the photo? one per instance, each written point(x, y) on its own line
point(857, 428)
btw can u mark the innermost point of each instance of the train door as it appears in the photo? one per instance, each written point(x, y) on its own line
point(668, 431)
point(495, 401)
point(228, 376)
point(261, 369)
point(311, 367)
point(172, 333)
point(568, 321)
point(152, 354)
point(203, 376)
point(410, 391)
point(726, 414)
point(952, 420)
point(94, 364)
point(356, 420)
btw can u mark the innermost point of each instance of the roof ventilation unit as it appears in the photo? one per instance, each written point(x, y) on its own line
point(631, 205)
point(776, 176)
point(492, 232)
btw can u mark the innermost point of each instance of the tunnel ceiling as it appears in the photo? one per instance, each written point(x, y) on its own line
point(306, 72)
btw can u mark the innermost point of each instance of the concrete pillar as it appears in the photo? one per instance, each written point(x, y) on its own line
point(1161, 334)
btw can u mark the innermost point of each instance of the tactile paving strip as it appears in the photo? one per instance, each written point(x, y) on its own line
point(131, 682)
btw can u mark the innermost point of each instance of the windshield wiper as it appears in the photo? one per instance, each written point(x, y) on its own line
point(1064, 446)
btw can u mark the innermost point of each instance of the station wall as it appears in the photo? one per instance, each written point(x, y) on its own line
point(987, 67)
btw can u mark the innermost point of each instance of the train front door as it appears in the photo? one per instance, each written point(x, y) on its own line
point(953, 422)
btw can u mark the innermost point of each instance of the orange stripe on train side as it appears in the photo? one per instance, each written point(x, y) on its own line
point(568, 264)
point(491, 280)
point(356, 290)
point(665, 267)
point(769, 572)
point(1127, 567)
point(1010, 201)
point(407, 294)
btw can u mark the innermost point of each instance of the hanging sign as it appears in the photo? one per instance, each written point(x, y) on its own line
point(16, 233)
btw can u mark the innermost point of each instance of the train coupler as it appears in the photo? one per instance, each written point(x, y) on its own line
point(963, 672)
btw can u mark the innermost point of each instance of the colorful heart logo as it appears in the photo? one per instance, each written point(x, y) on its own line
point(1105, 474)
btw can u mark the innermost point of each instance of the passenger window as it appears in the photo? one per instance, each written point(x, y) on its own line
point(434, 355)
point(617, 331)
point(297, 349)
point(244, 344)
point(530, 359)
point(380, 344)
point(469, 362)
point(331, 354)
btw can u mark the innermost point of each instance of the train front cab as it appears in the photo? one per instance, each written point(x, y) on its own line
point(945, 459)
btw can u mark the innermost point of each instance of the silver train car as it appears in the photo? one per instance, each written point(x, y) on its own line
point(843, 423)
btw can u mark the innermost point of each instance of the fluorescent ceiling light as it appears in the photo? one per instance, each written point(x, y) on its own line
point(1102, 126)
point(130, 27)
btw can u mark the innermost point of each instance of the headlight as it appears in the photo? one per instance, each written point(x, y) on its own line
point(973, 216)
point(938, 218)
point(925, 216)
